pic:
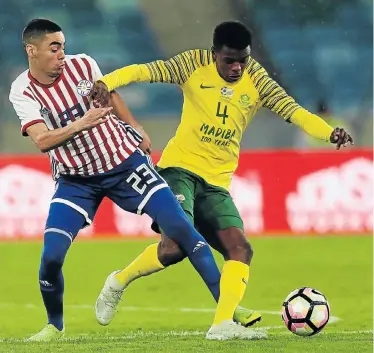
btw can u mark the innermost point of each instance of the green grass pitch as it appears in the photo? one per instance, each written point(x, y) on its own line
point(170, 311)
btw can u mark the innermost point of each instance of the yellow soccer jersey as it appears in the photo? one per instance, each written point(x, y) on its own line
point(215, 113)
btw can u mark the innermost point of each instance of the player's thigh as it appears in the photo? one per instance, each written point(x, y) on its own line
point(134, 184)
point(215, 214)
point(182, 184)
point(215, 206)
point(73, 205)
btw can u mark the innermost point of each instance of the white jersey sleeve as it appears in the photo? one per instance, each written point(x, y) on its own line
point(27, 109)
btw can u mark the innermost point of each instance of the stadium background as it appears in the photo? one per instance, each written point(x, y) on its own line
point(321, 52)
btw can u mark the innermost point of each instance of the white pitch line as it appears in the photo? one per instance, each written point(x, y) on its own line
point(166, 334)
point(333, 319)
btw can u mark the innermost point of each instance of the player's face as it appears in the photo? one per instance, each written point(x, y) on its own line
point(231, 63)
point(49, 55)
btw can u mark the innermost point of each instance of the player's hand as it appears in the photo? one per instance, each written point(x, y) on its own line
point(93, 117)
point(146, 145)
point(100, 94)
point(340, 137)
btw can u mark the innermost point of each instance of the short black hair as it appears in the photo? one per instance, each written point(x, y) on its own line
point(37, 28)
point(232, 34)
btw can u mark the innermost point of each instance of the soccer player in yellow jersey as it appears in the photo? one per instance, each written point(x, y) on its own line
point(223, 89)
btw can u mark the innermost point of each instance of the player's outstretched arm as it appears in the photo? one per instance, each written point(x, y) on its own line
point(277, 100)
point(175, 70)
point(47, 140)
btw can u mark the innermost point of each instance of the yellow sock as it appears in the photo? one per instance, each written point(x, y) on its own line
point(233, 283)
point(145, 264)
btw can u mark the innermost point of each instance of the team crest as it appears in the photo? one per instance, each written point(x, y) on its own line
point(245, 100)
point(180, 198)
point(84, 87)
point(227, 92)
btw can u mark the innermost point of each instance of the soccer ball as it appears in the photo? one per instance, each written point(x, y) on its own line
point(305, 311)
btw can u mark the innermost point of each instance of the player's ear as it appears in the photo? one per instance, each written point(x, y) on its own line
point(30, 50)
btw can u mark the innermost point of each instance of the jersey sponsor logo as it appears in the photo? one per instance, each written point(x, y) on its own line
point(245, 100)
point(211, 130)
point(71, 114)
point(216, 135)
point(227, 92)
point(205, 87)
point(84, 87)
point(45, 112)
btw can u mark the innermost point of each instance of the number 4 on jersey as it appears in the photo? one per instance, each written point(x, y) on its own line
point(223, 115)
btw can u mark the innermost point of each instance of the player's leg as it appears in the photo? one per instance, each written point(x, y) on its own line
point(71, 208)
point(223, 228)
point(142, 190)
point(158, 256)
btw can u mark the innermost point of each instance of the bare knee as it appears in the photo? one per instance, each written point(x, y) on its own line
point(235, 245)
point(169, 253)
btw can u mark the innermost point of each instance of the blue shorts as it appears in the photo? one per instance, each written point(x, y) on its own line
point(130, 185)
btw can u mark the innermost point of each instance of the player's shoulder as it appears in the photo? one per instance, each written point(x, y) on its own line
point(199, 57)
point(253, 66)
point(20, 84)
point(80, 57)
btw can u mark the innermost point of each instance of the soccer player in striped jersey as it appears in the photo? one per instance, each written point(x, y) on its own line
point(223, 89)
point(93, 155)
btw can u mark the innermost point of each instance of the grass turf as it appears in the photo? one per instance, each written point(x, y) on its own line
point(170, 311)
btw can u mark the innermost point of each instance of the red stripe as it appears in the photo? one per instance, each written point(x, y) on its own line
point(91, 133)
point(78, 68)
point(124, 134)
point(44, 103)
point(89, 69)
point(73, 142)
point(35, 97)
point(117, 151)
point(122, 137)
point(28, 95)
point(117, 142)
point(81, 135)
point(107, 148)
point(55, 126)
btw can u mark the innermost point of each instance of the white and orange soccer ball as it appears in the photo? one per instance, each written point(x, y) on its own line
point(305, 311)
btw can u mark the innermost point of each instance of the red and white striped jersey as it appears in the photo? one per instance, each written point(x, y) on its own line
point(61, 103)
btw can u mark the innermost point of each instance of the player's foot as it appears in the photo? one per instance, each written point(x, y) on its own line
point(228, 330)
point(246, 317)
point(49, 333)
point(107, 302)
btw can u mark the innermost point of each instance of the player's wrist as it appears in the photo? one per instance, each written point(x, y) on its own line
point(104, 82)
point(76, 127)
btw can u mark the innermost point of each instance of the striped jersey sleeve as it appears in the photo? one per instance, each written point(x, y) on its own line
point(272, 96)
point(179, 68)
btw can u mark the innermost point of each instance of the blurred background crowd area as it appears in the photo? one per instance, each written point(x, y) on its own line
point(321, 51)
